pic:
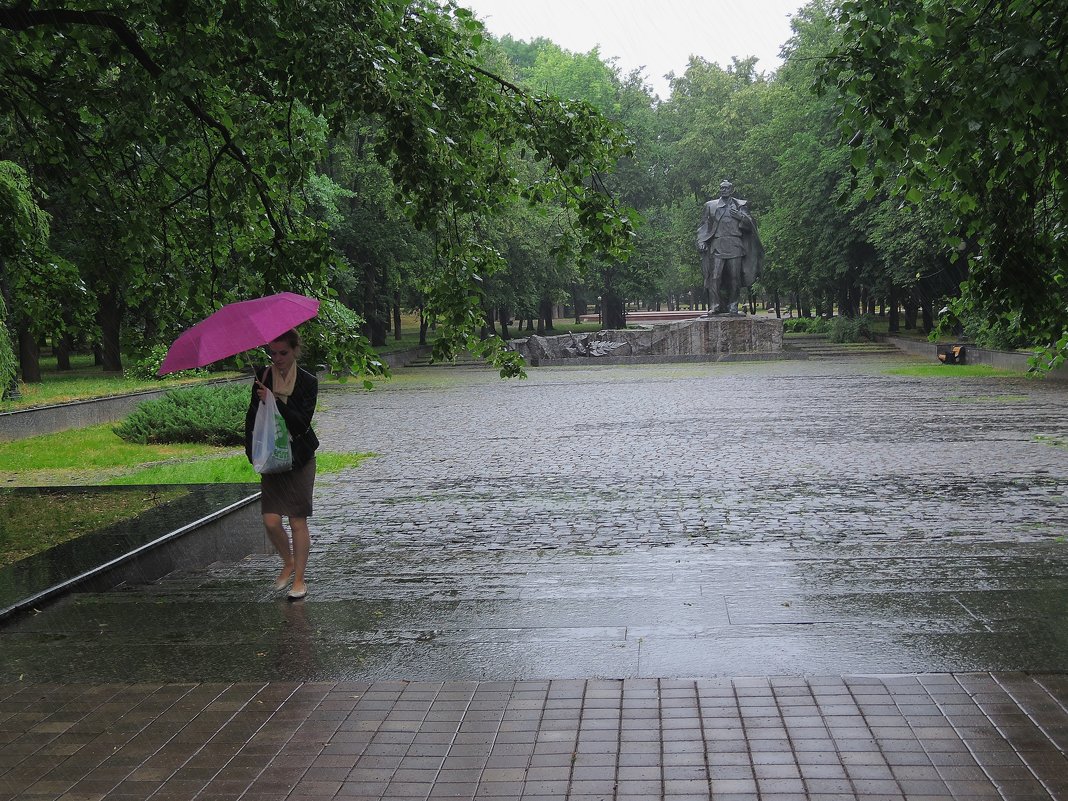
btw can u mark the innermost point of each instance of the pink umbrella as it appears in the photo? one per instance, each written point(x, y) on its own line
point(238, 327)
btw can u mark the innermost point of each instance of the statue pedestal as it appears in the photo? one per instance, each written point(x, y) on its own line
point(720, 335)
point(728, 337)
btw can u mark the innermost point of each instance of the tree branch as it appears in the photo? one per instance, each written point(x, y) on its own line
point(21, 19)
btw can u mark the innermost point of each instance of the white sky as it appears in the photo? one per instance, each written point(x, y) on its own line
point(659, 35)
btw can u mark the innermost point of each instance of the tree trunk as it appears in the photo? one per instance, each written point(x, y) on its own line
point(423, 325)
point(489, 315)
point(109, 318)
point(894, 324)
point(376, 329)
point(778, 309)
point(545, 315)
point(375, 307)
point(613, 315)
point(503, 314)
point(62, 350)
point(29, 357)
point(928, 313)
point(910, 312)
point(396, 318)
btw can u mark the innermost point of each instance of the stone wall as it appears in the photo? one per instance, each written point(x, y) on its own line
point(706, 339)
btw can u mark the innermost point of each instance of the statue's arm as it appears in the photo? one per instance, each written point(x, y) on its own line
point(704, 231)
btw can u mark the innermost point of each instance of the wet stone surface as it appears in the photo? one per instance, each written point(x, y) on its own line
point(617, 583)
point(650, 521)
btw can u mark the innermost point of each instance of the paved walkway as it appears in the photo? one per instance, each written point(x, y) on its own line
point(775, 581)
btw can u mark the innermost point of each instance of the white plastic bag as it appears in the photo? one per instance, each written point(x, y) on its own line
point(271, 451)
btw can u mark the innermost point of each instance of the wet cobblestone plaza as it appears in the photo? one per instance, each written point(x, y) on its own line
point(755, 580)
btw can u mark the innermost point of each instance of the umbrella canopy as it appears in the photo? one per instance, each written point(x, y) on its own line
point(238, 327)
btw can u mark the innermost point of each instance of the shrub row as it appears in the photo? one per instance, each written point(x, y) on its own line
point(213, 414)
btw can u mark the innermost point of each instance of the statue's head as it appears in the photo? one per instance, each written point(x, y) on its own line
point(726, 189)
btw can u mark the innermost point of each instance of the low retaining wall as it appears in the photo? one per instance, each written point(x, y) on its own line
point(78, 414)
point(227, 534)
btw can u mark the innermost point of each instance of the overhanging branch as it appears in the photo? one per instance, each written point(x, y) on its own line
point(21, 19)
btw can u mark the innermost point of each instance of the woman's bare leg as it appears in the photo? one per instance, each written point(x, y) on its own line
point(276, 533)
point(301, 549)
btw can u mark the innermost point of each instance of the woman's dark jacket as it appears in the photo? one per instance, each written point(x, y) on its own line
point(297, 413)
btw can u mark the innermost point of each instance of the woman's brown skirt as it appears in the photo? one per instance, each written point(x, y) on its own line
point(288, 494)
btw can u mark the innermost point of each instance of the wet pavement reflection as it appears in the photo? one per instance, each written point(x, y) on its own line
point(681, 521)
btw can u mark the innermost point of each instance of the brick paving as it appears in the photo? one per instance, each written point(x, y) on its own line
point(773, 581)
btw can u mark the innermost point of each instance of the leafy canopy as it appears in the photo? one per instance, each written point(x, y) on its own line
point(967, 103)
point(204, 114)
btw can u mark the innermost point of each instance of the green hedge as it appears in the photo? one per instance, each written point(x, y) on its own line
point(214, 415)
point(805, 325)
point(852, 329)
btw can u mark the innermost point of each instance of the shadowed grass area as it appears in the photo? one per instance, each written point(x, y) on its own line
point(30, 524)
point(954, 371)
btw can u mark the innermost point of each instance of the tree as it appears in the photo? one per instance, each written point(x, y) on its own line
point(626, 102)
point(158, 80)
point(24, 235)
point(968, 103)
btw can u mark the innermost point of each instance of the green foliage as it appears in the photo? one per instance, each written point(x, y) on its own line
point(333, 340)
point(146, 367)
point(24, 231)
point(806, 325)
point(1051, 357)
point(24, 227)
point(213, 414)
point(851, 329)
point(8, 364)
point(965, 103)
point(184, 172)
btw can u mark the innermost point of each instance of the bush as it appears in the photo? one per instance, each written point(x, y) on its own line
point(805, 325)
point(852, 329)
point(146, 367)
point(214, 415)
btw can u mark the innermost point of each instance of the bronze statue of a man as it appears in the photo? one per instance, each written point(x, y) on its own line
point(731, 253)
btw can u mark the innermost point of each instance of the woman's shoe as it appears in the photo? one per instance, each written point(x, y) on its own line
point(296, 595)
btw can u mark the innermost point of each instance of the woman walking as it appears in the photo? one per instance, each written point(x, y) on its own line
point(288, 494)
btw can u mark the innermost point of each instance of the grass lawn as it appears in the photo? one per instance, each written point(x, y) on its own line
point(940, 370)
point(96, 455)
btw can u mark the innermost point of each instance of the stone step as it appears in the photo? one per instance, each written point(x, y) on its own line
point(819, 347)
point(465, 361)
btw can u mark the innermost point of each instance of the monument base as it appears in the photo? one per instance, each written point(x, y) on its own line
point(716, 338)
